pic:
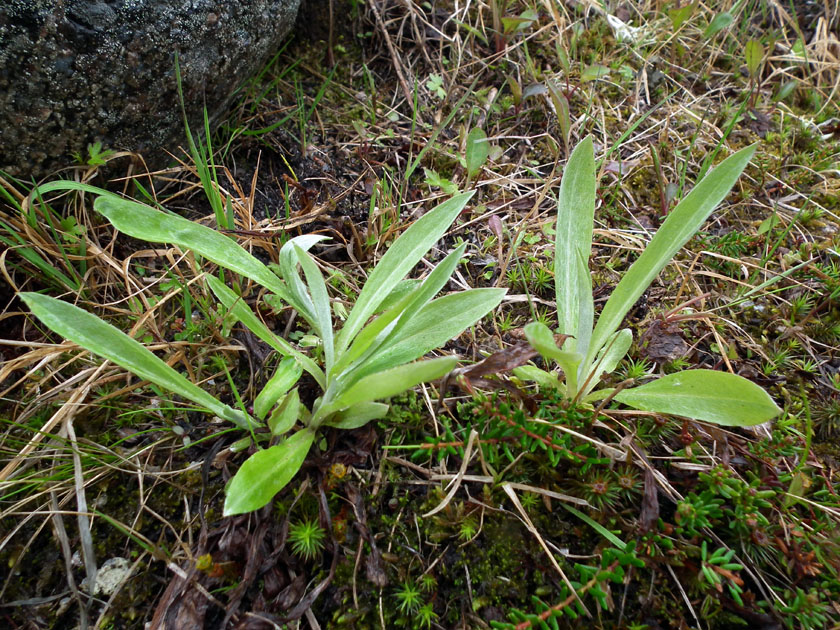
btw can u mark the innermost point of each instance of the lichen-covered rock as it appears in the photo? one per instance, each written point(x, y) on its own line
point(77, 72)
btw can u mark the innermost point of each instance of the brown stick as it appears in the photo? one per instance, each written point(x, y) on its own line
point(395, 59)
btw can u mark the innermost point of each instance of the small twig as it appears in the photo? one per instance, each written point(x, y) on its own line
point(530, 525)
point(395, 58)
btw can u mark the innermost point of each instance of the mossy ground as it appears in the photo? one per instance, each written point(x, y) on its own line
point(325, 136)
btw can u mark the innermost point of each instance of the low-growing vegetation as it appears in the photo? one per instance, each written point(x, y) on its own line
point(510, 314)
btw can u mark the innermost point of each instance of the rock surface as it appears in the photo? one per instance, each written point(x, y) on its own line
point(77, 72)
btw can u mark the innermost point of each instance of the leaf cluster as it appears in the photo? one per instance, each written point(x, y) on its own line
point(363, 362)
point(591, 350)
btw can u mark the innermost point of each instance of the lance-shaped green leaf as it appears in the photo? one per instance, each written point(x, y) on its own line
point(146, 223)
point(403, 289)
point(287, 262)
point(586, 314)
point(237, 307)
point(371, 336)
point(682, 223)
point(400, 258)
point(717, 397)
point(477, 151)
point(321, 304)
point(542, 378)
point(436, 323)
point(266, 473)
point(380, 331)
point(284, 378)
point(389, 383)
point(99, 337)
point(573, 245)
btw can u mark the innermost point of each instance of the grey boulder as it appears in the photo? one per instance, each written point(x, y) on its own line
point(77, 72)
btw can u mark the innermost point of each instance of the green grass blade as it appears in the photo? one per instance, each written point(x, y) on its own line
point(400, 258)
point(681, 225)
point(708, 395)
point(573, 244)
point(34, 258)
point(102, 339)
point(607, 534)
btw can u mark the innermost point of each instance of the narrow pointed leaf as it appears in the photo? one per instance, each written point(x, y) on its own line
point(237, 307)
point(106, 341)
point(573, 240)
point(266, 473)
point(542, 340)
point(586, 312)
point(379, 333)
point(431, 286)
point(284, 378)
point(321, 304)
point(718, 23)
point(372, 335)
point(146, 223)
point(682, 223)
point(287, 262)
point(477, 151)
point(709, 395)
point(398, 293)
point(439, 321)
point(542, 378)
point(400, 258)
